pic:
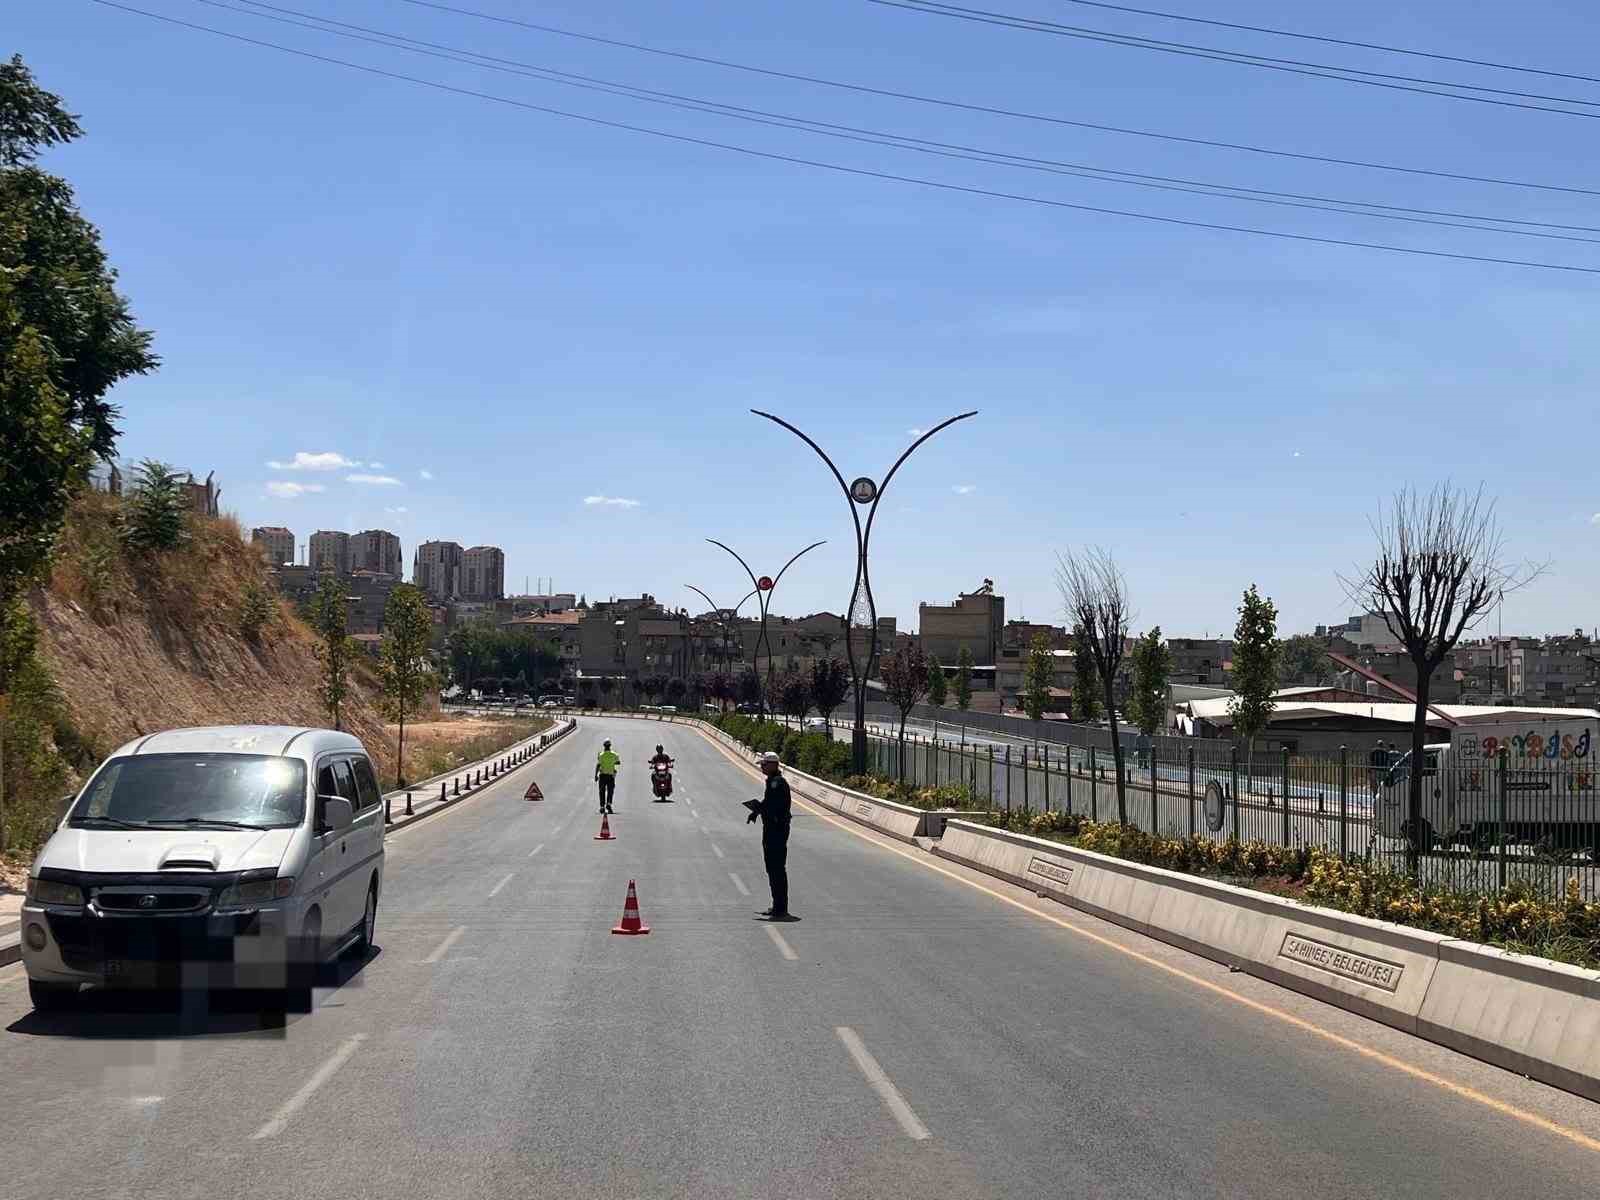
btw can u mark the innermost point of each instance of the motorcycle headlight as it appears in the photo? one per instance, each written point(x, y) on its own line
point(248, 893)
point(48, 891)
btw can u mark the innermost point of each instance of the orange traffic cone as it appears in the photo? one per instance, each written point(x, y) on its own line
point(630, 914)
point(533, 792)
point(605, 830)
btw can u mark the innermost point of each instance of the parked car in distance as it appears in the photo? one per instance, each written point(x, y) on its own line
point(230, 856)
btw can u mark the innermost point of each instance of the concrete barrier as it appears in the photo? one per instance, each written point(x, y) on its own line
point(1529, 1015)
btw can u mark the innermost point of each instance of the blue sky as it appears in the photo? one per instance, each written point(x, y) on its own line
point(512, 312)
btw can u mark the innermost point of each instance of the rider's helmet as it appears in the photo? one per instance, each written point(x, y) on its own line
point(606, 745)
point(658, 749)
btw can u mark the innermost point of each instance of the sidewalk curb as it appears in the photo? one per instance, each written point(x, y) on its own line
point(555, 738)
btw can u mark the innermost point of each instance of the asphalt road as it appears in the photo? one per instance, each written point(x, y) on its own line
point(922, 1031)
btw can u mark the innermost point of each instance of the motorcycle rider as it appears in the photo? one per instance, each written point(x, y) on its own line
point(660, 760)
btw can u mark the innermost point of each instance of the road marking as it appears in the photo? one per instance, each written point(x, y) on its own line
point(880, 1083)
point(495, 890)
point(739, 883)
point(717, 850)
point(1378, 1056)
point(695, 813)
point(296, 1102)
point(782, 944)
point(443, 948)
point(537, 848)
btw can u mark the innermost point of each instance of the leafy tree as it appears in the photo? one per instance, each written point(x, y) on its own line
point(721, 687)
point(1304, 660)
point(904, 672)
point(66, 336)
point(1152, 665)
point(1255, 667)
point(157, 516)
point(749, 687)
point(938, 685)
point(1095, 596)
point(830, 684)
point(1441, 565)
point(794, 693)
point(256, 611)
point(406, 674)
point(335, 648)
point(607, 685)
point(652, 686)
point(964, 679)
point(1037, 676)
point(1085, 687)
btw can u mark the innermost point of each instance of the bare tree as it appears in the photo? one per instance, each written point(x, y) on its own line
point(1440, 567)
point(1094, 595)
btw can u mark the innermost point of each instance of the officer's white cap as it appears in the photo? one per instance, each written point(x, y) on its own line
point(769, 757)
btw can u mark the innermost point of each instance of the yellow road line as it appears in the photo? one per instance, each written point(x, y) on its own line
point(1457, 1089)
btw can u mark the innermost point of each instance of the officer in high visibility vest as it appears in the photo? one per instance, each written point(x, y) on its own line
point(605, 773)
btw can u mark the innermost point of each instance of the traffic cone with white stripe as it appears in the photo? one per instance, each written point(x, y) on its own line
point(631, 924)
point(605, 834)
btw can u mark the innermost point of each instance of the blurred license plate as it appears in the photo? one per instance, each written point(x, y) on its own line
point(116, 966)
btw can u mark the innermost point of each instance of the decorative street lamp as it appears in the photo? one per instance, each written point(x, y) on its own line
point(724, 617)
point(863, 614)
point(764, 586)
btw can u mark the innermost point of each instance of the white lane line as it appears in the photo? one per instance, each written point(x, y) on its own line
point(880, 1083)
point(296, 1102)
point(495, 890)
point(443, 948)
point(739, 883)
point(781, 943)
point(717, 850)
point(695, 813)
point(536, 850)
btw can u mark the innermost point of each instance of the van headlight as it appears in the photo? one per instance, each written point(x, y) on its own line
point(48, 891)
point(252, 892)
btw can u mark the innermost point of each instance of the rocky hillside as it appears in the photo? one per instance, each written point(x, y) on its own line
point(138, 643)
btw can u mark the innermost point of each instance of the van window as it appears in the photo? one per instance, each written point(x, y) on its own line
point(366, 783)
point(346, 783)
point(325, 782)
point(220, 790)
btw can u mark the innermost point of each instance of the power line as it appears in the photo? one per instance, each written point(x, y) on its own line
point(1333, 41)
point(902, 141)
point(1016, 114)
point(840, 168)
point(1289, 66)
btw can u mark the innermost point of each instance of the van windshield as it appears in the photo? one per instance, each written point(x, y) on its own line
point(221, 791)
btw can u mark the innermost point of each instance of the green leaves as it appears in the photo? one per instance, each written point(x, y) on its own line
point(1152, 664)
point(964, 679)
point(157, 514)
point(330, 621)
point(938, 685)
point(905, 676)
point(30, 117)
point(405, 671)
point(1037, 676)
point(830, 684)
point(1085, 680)
point(1255, 664)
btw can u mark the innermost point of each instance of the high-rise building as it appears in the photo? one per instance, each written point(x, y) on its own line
point(376, 550)
point(330, 551)
point(483, 573)
point(436, 569)
point(275, 543)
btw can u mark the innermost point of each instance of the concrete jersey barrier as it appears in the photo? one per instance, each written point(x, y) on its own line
point(1532, 1016)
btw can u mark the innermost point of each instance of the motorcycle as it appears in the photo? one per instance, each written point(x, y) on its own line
point(661, 781)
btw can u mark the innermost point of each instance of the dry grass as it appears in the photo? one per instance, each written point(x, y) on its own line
point(436, 746)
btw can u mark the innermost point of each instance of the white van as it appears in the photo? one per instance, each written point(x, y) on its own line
point(235, 856)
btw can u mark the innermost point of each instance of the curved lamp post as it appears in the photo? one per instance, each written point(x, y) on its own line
point(862, 492)
point(764, 586)
point(724, 615)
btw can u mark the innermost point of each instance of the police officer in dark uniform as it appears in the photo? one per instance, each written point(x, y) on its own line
point(773, 810)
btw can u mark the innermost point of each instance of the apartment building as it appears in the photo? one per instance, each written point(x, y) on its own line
point(330, 551)
point(275, 543)
point(436, 569)
point(1201, 660)
point(974, 622)
point(378, 551)
point(483, 574)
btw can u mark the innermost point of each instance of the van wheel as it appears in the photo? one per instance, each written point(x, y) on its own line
point(369, 922)
point(51, 997)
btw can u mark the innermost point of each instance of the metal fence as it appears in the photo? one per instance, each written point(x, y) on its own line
point(1484, 823)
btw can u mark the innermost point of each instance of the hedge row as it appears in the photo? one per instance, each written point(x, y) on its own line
point(814, 753)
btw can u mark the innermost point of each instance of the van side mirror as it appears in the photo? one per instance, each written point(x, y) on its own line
point(334, 814)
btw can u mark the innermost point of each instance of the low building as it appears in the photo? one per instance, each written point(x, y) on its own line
point(275, 543)
point(1205, 661)
point(975, 622)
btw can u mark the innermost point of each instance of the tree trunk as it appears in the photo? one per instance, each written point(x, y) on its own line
point(400, 754)
point(1419, 738)
point(2, 773)
point(1116, 754)
point(900, 763)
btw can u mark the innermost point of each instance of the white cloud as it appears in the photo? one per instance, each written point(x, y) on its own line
point(964, 489)
point(285, 489)
point(425, 473)
point(399, 509)
point(322, 460)
point(376, 466)
point(610, 501)
point(378, 480)
point(1595, 520)
point(1297, 454)
point(916, 432)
